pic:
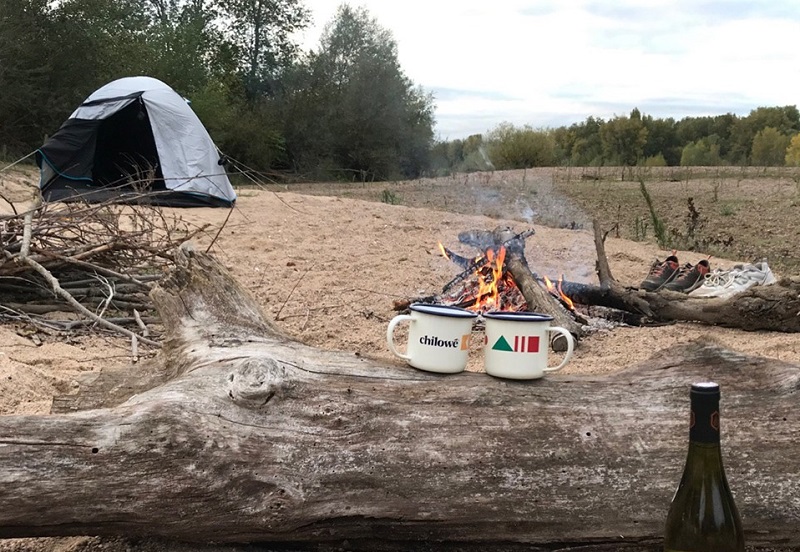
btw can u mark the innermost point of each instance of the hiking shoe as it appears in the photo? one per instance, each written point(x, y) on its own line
point(660, 273)
point(727, 283)
point(689, 277)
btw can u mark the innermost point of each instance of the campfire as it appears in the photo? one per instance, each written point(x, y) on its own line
point(499, 278)
point(486, 284)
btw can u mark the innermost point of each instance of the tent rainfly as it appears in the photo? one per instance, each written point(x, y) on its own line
point(134, 140)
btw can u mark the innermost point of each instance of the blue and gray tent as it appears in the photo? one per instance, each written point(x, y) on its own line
point(134, 140)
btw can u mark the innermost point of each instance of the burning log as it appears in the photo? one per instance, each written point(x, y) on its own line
point(248, 436)
point(514, 286)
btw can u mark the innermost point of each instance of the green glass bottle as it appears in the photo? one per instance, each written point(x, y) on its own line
point(703, 516)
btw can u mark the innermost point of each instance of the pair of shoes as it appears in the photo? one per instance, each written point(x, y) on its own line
point(689, 277)
point(727, 283)
point(661, 272)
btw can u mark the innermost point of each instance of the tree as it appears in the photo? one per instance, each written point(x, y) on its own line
point(263, 32)
point(352, 106)
point(769, 148)
point(785, 119)
point(792, 158)
point(186, 47)
point(581, 144)
point(662, 139)
point(623, 140)
point(702, 153)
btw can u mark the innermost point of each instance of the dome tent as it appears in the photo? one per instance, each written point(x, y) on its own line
point(134, 140)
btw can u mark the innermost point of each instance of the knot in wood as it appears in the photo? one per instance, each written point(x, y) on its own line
point(256, 381)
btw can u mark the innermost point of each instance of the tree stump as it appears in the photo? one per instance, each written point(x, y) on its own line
point(249, 436)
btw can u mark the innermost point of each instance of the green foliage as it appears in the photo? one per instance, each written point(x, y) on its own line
point(702, 153)
point(659, 228)
point(262, 34)
point(655, 161)
point(54, 54)
point(510, 147)
point(580, 144)
point(389, 197)
point(38, 83)
point(623, 140)
point(662, 140)
point(792, 158)
point(352, 107)
point(769, 148)
point(785, 119)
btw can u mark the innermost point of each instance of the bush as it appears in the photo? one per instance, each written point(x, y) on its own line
point(509, 147)
point(655, 161)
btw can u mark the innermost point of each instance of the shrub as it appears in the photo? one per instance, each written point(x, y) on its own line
point(655, 161)
point(510, 147)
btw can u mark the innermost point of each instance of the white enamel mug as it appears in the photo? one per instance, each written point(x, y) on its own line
point(438, 337)
point(517, 344)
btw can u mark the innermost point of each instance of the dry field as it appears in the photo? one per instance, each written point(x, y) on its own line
point(745, 214)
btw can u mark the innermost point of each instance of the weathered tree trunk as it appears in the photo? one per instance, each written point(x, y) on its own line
point(774, 307)
point(253, 437)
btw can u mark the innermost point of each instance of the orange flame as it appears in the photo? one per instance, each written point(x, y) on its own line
point(443, 250)
point(557, 291)
point(488, 293)
point(496, 289)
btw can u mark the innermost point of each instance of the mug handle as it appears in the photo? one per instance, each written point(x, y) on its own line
point(570, 346)
point(390, 334)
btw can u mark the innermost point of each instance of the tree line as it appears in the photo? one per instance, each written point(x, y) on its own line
point(767, 136)
point(343, 110)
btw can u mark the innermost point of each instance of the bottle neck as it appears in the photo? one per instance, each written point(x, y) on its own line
point(704, 420)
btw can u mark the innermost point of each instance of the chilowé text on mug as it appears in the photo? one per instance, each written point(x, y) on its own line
point(434, 341)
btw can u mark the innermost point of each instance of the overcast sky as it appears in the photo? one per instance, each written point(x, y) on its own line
point(553, 63)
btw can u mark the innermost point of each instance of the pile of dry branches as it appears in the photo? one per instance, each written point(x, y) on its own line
point(97, 261)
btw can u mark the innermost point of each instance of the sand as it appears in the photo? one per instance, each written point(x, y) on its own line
point(327, 270)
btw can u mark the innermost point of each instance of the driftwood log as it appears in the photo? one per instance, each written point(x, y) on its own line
point(248, 436)
point(775, 307)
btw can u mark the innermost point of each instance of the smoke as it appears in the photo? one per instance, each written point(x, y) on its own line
point(485, 157)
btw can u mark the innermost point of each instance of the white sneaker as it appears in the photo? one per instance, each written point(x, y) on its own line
point(727, 283)
point(715, 283)
point(769, 277)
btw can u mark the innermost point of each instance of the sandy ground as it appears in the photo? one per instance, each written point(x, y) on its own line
point(327, 270)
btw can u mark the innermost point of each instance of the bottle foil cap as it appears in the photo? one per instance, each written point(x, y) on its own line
point(705, 388)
